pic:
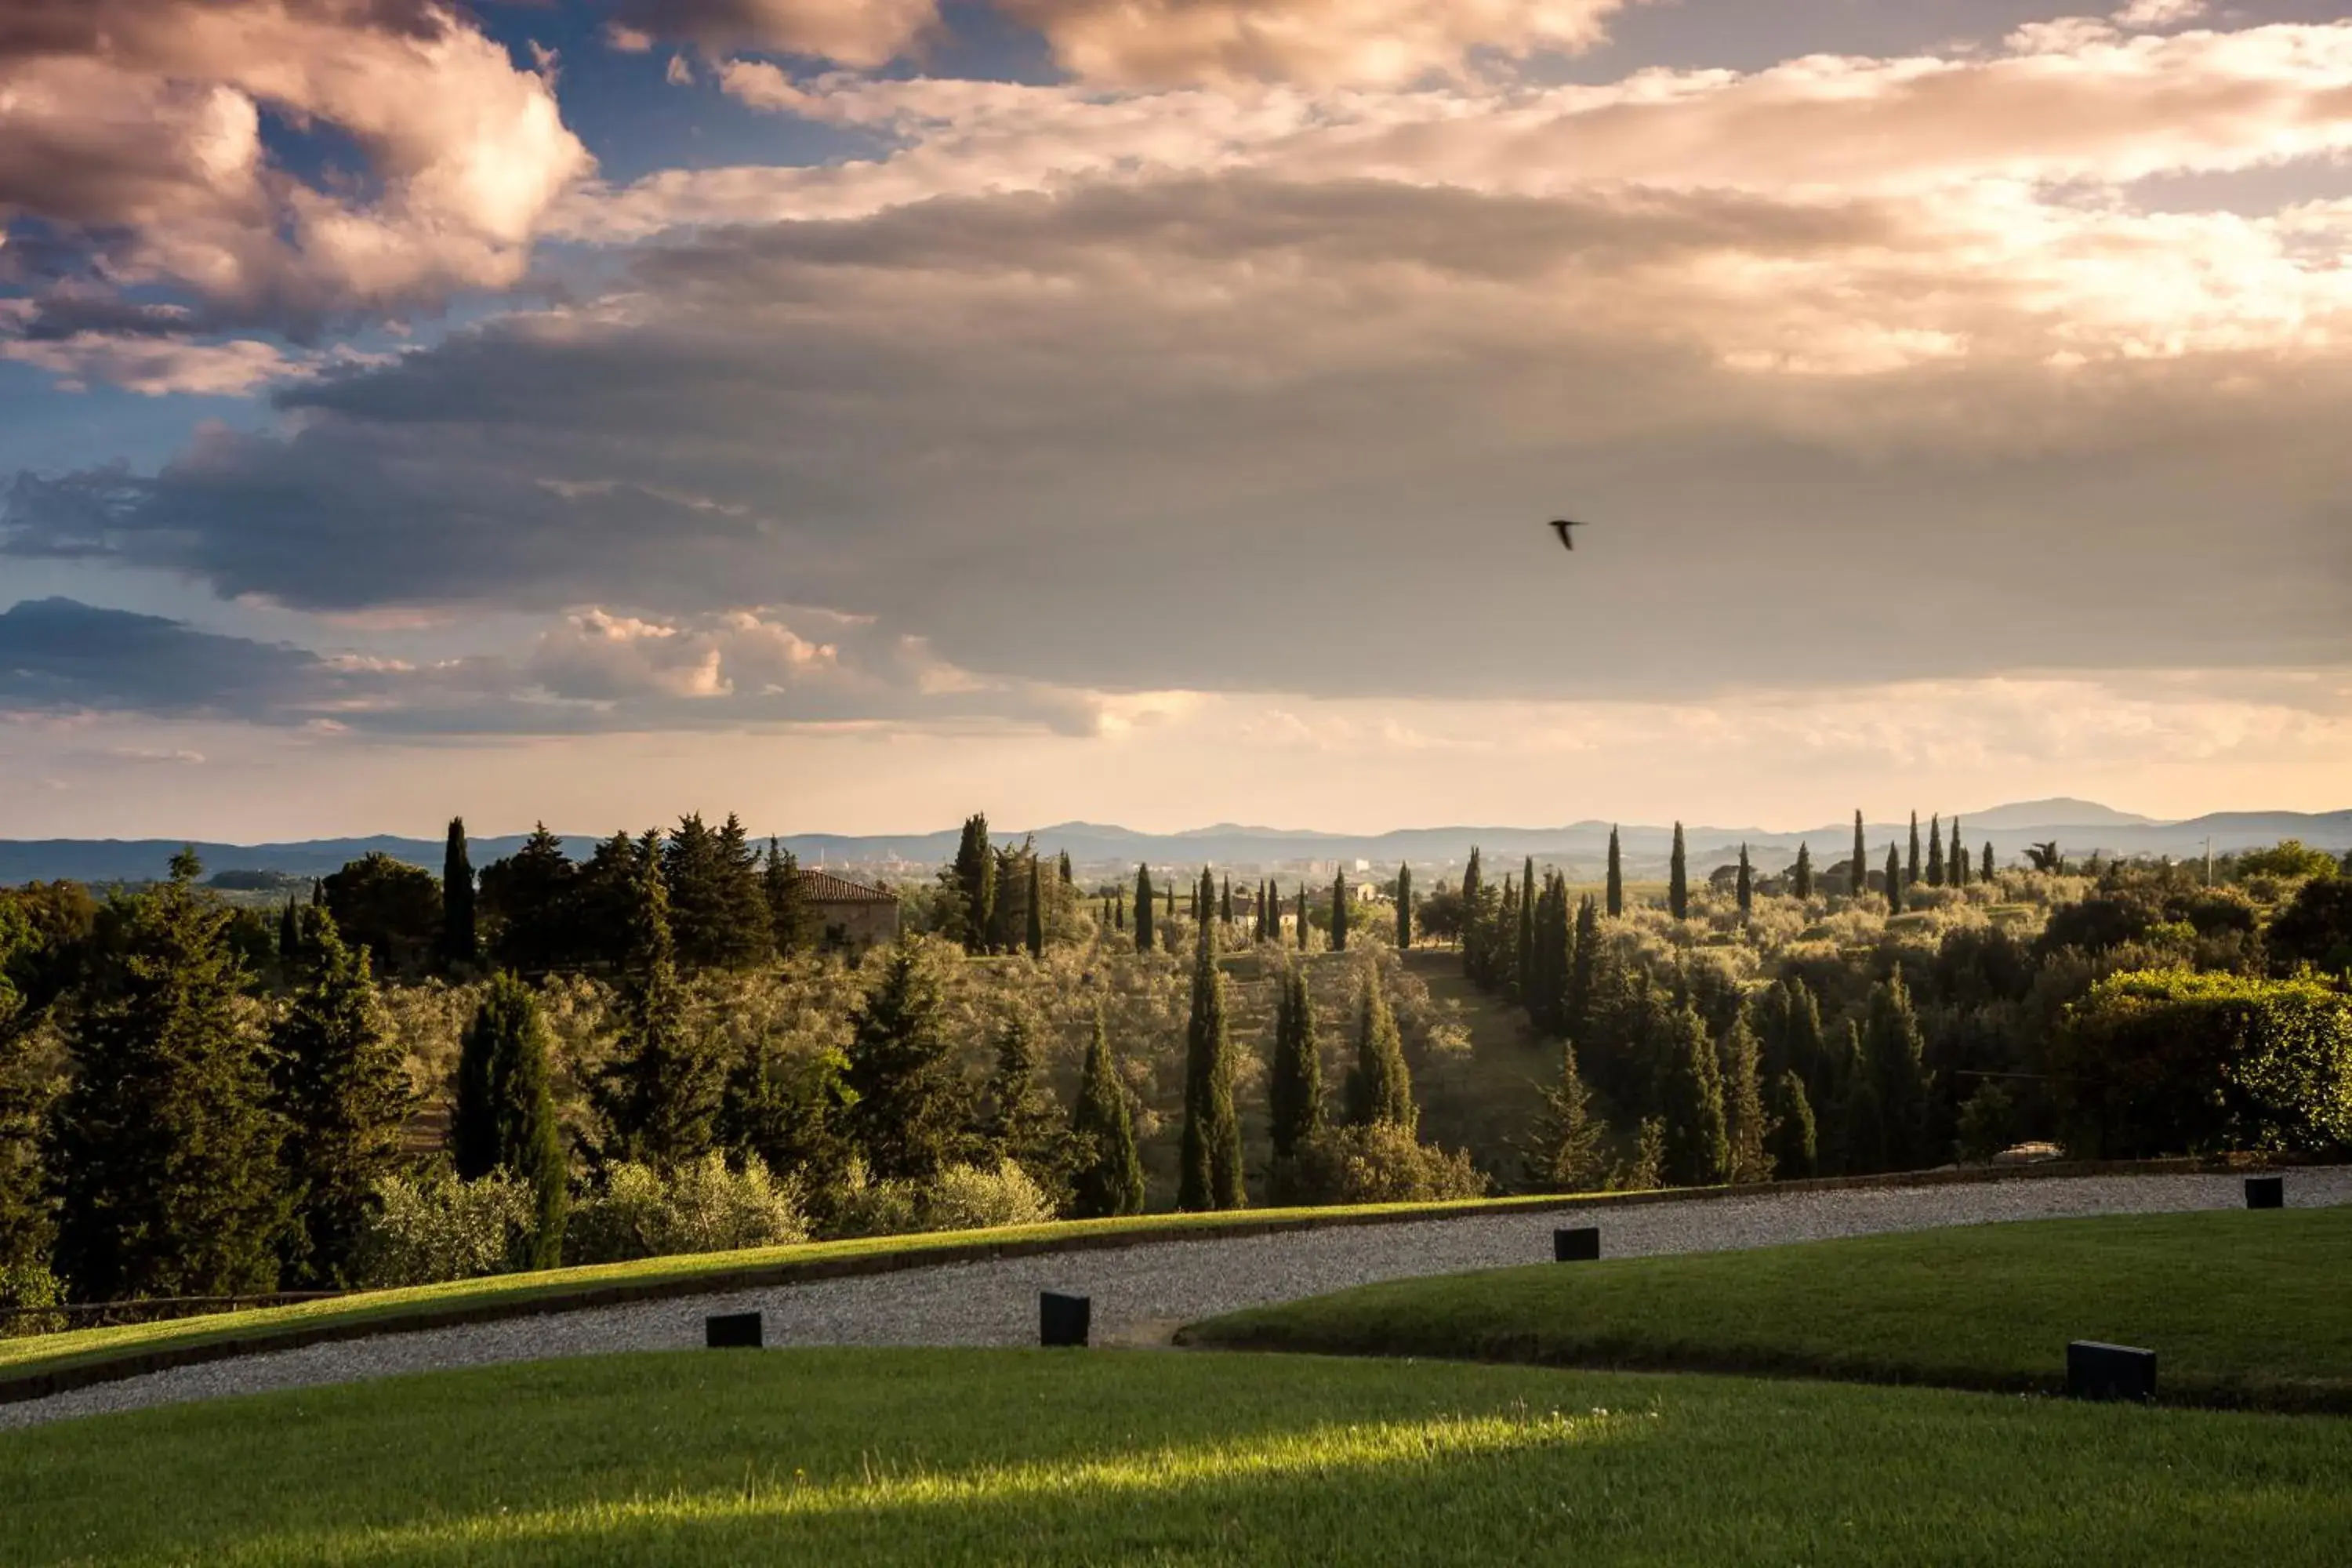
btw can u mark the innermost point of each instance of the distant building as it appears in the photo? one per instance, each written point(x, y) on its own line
point(848, 913)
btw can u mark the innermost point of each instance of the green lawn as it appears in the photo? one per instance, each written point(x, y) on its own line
point(2240, 1308)
point(947, 1457)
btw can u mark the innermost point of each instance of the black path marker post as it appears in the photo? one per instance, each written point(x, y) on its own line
point(2096, 1371)
point(2266, 1192)
point(732, 1332)
point(1063, 1320)
point(1582, 1245)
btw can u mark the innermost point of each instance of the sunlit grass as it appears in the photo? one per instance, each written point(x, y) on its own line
point(941, 1457)
point(2241, 1308)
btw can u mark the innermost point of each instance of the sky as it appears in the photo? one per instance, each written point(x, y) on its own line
point(858, 413)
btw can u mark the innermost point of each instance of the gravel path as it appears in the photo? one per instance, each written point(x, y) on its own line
point(1141, 1293)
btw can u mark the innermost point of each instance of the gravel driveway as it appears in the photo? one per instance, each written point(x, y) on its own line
point(1141, 1293)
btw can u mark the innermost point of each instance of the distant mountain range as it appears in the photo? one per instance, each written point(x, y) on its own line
point(2080, 827)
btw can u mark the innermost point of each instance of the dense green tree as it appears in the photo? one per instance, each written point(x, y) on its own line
point(1524, 943)
point(1340, 912)
point(1070, 879)
point(791, 922)
point(505, 1119)
point(1855, 1139)
point(1744, 890)
point(1956, 865)
point(1303, 928)
point(1144, 908)
point(1225, 903)
point(27, 1087)
point(528, 899)
point(340, 1091)
point(1021, 1122)
point(1501, 946)
point(717, 905)
point(1108, 1179)
point(1896, 1053)
point(661, 1092)
point(1911, 864)
point(1789, 1025)
point(1860, 861)
point(786, 1107)
point(1616, 884)
point(388, 906)
point(1584, 954)
point(1474, 891)
point(1566, 1150)
point(1036, 924)
point(1800, 879)
point(1698, 1148)
point(1936, 850)
point(1294, 1087)
point(908, 1105)
point(163, 1152)
point(2316, 926)
point(1208, 1168)
point(1404, 907)
point(974, 875)
point(1794, 1154)
point(460, 944)
point(1987, 869)
point(605, 899)
point(1379, 1087)
point(1749, 1126)
point(1679, 879)
point(1894, 881)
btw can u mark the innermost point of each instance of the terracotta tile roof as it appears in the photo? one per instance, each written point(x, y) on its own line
point(824, 887)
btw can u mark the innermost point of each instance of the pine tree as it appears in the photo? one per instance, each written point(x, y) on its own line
point(1144, 943)
point(533, 900)
point(1750, 1130)
point(1565, 1150)
point(1935, 851)
point(459, 944)
point(974, 875)
point(1295, 1088)
point(660, 1095)
point(909, 1106)
point(1894, 881)
point(340, 1091)
point(1210, 1160)
point(1792, 1144)
point(791, 924)
point(1616, 888)
point(1379, 1088)
point(746, 936)
point(1404, 907)
point(1744, 890)
point(1108, 1178)
point(1698, 1150)
point(1679, 879)
point(1860, 861)
point(1800, 880)
point(1037, 933)
point(1340, 912)
point(504, 1118)
point(1911, 866)
point(1896, 1057)
point(164, 1153)
point(1021, 1123)
point(1986, 870)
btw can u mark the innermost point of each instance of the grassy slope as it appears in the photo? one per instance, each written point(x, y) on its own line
point(944, 1456)
point(2240, 1308)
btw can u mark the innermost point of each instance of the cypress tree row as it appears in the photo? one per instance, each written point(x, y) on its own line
point(1935, 851)
point(1911, 866)
point(1616, 889)
point(1144, 943)
point(1800, 880)
point(1565, 1150)
point(1679, 879)
point(1340, 912)
point(1295, 1088)
point(1744, 890)
point(504, 1116)
point(1860, 861)
point(342, 1092)
point(163, 1152)
point(1036, 931)
point(1552, 959)
point(459, 944)
point(1894, 881)
point(660, 1095)
point(1380, 1089)
point(1208, 1168)
point(1404, 907)
point(1108, 1176)
point(1698, 1148)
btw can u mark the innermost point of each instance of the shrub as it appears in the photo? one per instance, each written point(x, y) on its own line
point(1382, 1163)
point(960, 1197)
point(701, 1206)
point(26, 1285)
point(432, 1227)
point(2316, 928)
point(2169, 1061)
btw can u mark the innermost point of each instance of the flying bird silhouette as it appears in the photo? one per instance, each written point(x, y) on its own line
point(1561, 526)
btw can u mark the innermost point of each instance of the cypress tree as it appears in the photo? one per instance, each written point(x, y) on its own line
point(1070, 880)
point(1302, 917)
point(660, 1095)
point(1859, 1146)
point(341, 1089)
point(1210, 1158)
point(1698, 1150)
point(1860, 861)
point(1225, 903)
point(1793, 1137)
point(1108, 1178)
point(1679, 879)
point(1744, 890)
point(1956, 868)
point(1743, 1095)
point(459, 944)
point(1576, 1005)
point(1564, 1151)
point(1986, 869)
point(1524, 943)
point(163, 1152)
point(1935, 851)
point(1501, 946)
point(1171, 891)
point(1380, 1089)
point(1911, 866)
point(791, 924)
point(1340, 912)
point(1404, 907)
point(1616, 889)
point(1119, 911)
point(909, 1104)
point(1295, 1089)
point(1896, 1056)
point(1800, 880)
point(1021, 1117)
point(1144, 943)
point(1473, 891)
point(975, 874)
point(1037, 933)
point(289, 942)
point(505, 1117)
point(1194, 895)
point(1894, 881)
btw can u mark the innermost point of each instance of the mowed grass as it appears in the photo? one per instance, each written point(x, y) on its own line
point(954, 1456)
point(2241, 1308)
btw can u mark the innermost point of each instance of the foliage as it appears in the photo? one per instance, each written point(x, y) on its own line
point(907, 1106)
point(1381, 1163)
point(1380, 1087)
point(1210, 1160)
point(431, 1227)
point(701, 1205)
point(460, 942)
point(505, 1119)
point(1697, 1148)
point(27, 1284)
point(1106, 1178)
point(955, 1197)
point(2315, 927)
point(1294, 1090)
point(2288, 857)
point(391, 908)
point(1566, 1151)
point(660, 1095)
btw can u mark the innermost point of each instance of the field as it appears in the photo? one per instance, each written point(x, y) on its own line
point(2242, 1309)
point(968, 1456)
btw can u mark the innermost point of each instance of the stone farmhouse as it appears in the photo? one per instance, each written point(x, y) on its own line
point(850, 914)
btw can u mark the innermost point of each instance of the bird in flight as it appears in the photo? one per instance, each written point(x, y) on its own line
point(1561, 526)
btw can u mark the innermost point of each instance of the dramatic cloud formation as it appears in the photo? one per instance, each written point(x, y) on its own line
point(865, 33)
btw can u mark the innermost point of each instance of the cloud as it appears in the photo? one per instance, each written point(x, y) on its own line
point(2159, 13)
point(155, 366)
point(61, 655)
point(865, 33)
point(136, 126)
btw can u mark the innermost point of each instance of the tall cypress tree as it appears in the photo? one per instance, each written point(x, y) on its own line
point(1143, 910)
point(1911, 866)
point(1744, 890)
point(1524, 943)
point(505, 1117)
point(1894, 881)
point(1474, 893)
point(1501, 946)
point(1119, 911)
point(1070, 879)
point(1794, 1138)
point(1565, 1151)
point(1955, 867)
point(1340, 912)
point(1896, 1055)
point(1225, 903)
point(459, 944)
point(661, 1093)
point(1935, 851)
point(1800, 880)
point(910, 1105)
point(164, 1153)
point(1210, 1158)
point(1698, 1148)
point(290, 943)
point(1036, 931)
point(1380, 1089)
point(1108, 1176)
point(1576, 1005)
point(1986, 869)
point(1295, 1088)
point(1302, 917)
point(790, 923)
point(1861, 862)
point(341, 1089)
point(1616, 888)
point(1404, 907)
point(974, 875)
point(1750, 1129)
point(1679, 879)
